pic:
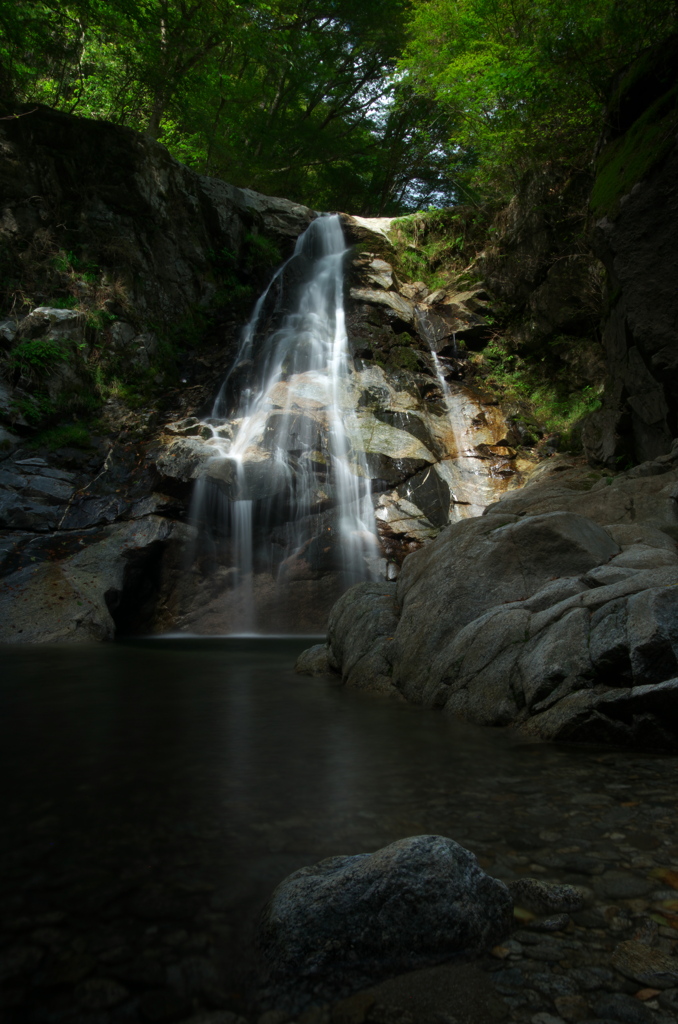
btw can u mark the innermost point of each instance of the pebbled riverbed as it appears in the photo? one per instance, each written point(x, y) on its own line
point(155, 792)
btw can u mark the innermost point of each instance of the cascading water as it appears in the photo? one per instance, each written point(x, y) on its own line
point(289, 465)
point(470, 476)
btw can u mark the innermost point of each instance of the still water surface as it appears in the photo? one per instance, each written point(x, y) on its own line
point(155, 792)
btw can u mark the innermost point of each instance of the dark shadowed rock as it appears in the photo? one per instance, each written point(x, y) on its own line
point(551, 621)
point(314, 661)
point(348, 922)
point(360, 635)
point(479, 563)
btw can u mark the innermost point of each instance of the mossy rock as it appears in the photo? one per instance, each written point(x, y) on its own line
point(642, 126)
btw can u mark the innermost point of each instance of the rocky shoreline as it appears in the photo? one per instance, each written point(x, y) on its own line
point(553, 612)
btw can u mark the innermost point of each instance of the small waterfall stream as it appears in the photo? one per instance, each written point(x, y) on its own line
point(291, 455)
point(472, 477)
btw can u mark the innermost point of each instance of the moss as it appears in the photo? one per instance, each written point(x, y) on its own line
point(71, 435)
point(434, 246)
point(404, 358)
point(546, 393)
point(631, 157)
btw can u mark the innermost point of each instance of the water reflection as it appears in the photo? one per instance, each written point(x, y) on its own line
point(156, 792)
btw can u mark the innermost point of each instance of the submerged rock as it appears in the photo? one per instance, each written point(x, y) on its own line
point(348, 922)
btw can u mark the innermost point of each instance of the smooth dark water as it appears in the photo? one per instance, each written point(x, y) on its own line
point(155, 792)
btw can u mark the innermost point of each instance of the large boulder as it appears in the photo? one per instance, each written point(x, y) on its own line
point(348, 922)
point(549, 622)
point(477, 564)
point(79, 598)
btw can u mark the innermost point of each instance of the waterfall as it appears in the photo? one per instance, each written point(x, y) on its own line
point(289, 478)
point(474, 480)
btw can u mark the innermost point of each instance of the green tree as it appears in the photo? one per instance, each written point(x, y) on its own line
point(524, 82)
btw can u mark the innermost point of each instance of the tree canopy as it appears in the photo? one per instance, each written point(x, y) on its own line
point(524, 81)
point(376, 106)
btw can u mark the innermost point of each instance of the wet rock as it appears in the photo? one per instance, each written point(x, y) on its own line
point(183, 460)
point(315, 661)
point(261, 475)
point(546, 897)
point(350, 921)
point(75, 599)
point(646, 965)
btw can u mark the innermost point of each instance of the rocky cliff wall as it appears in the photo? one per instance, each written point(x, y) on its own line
point(635, 204)
point(125, 277)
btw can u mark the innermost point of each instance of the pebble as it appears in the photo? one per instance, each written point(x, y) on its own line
point(616, 885)
point(99, 993)
point(572, 1007)
point(624, 1008)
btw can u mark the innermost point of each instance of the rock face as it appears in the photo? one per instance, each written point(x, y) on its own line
point(85, 552)
point(129, 208)
point(548, 620)
point(635, 237)
point(91, 535)
point(83, 596)
point(348, 922)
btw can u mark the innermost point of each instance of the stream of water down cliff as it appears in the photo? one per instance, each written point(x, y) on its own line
point(288, 495)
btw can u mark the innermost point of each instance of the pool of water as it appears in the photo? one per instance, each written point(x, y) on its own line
point(155, 792)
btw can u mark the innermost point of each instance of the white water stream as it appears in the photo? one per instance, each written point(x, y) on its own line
point(294, 421)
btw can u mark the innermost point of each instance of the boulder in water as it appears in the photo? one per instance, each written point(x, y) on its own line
point(314, 661)
point(348, 922)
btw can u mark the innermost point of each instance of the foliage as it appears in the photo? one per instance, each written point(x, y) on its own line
point(524, 82)
point(543, 388)
point(292, 98)
point(435, 245)
point(37, 356)
point(67, 435)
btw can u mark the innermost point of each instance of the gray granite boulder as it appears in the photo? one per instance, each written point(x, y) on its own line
point(75, 599)
point(478, 564)
point(315, 661)
point(551, 622)
point(348, 922)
